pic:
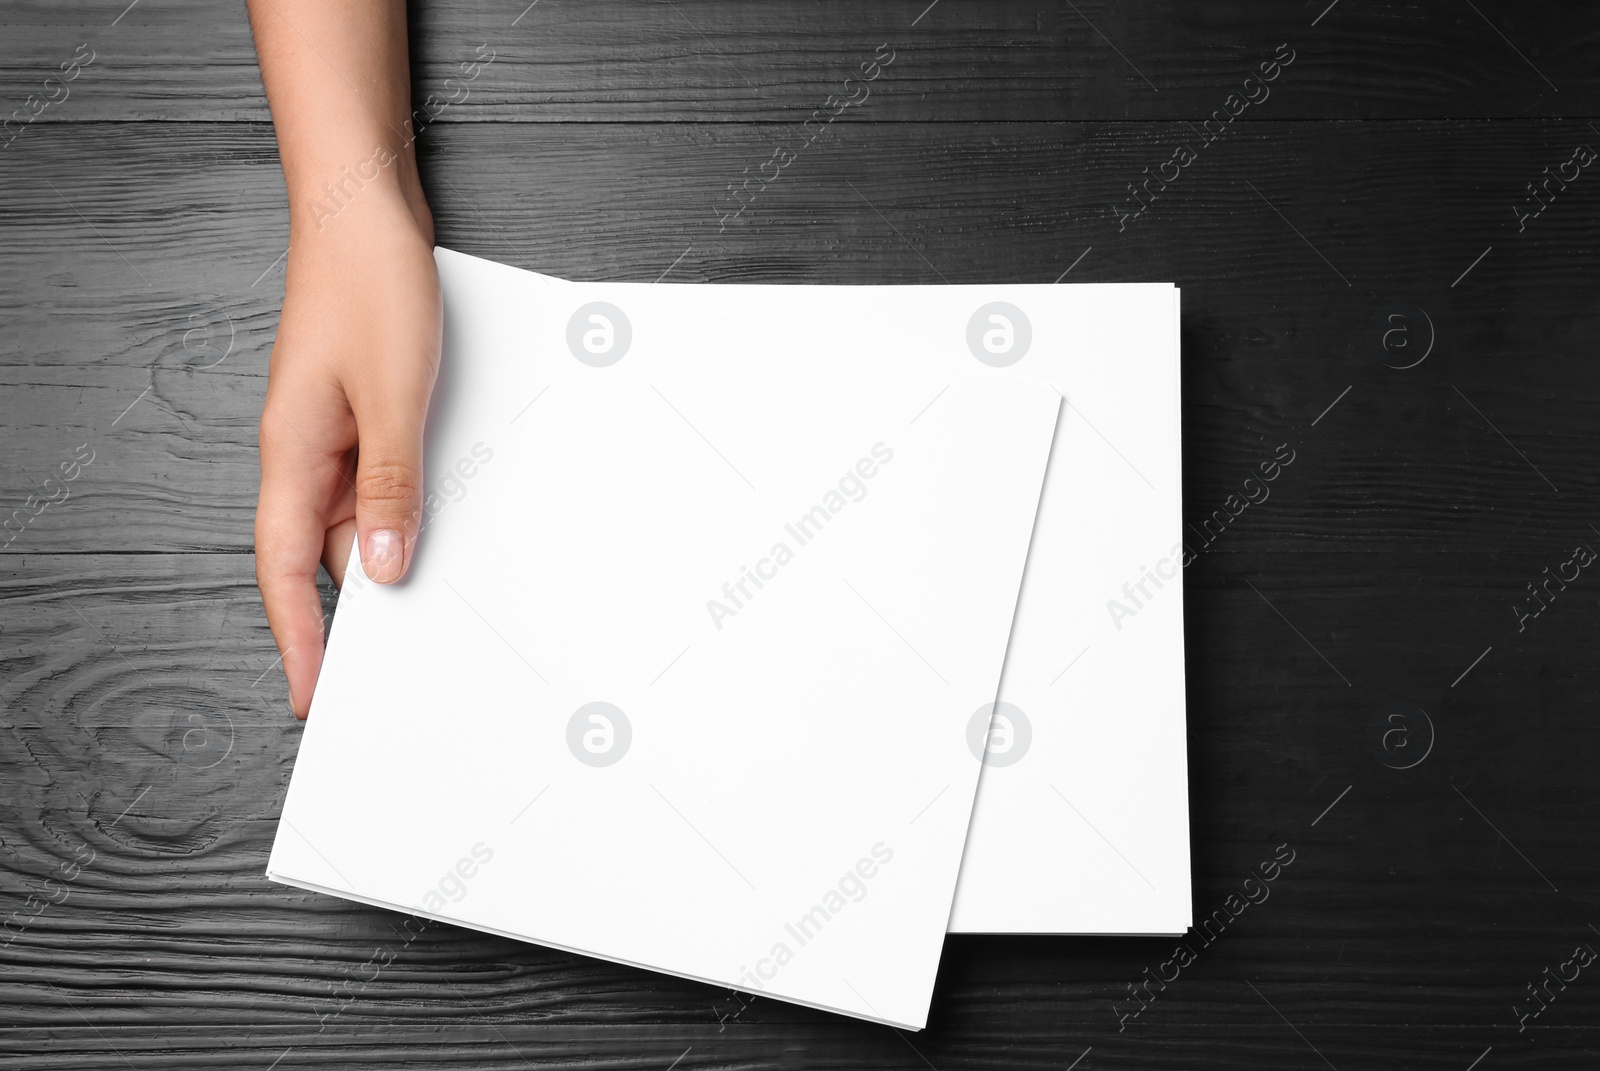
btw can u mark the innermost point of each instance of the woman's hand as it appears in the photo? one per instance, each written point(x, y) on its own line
point(341, 432)
point(358, 342)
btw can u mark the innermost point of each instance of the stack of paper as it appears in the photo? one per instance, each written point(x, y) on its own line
point(705, 633)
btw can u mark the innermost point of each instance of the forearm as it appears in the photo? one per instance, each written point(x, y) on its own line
point(337, 77)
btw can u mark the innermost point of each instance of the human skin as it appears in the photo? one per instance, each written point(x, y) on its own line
point(357, 349)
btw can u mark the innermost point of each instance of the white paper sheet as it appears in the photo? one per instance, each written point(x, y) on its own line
point(1082, 816)
point(711, 586)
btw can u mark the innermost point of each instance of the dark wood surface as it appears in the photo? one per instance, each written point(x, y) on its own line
point(142, 718)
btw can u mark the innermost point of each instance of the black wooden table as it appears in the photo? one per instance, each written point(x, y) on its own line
point(1387, 243)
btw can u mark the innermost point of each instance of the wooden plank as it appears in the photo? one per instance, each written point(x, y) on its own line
point(137, 727)
point(955, 60)
point(141, 254)
point(507, 1044)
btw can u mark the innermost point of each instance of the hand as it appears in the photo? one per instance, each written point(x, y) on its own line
point(351, 373)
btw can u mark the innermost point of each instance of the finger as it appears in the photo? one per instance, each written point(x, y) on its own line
point(289, 536)
point(389, 483)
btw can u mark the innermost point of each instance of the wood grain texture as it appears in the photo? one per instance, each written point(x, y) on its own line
point(963, 60)
point(143, 720)
point(1404, 925)
point(157, 246)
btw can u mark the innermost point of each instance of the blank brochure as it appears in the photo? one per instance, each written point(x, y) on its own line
point(712, 585)
point(1082, 816)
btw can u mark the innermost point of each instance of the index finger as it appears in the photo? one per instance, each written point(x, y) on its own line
point(290, 529)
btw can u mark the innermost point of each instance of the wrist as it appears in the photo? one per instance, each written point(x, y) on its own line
point(379, 184)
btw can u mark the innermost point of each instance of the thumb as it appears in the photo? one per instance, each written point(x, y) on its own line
point(388, 495)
